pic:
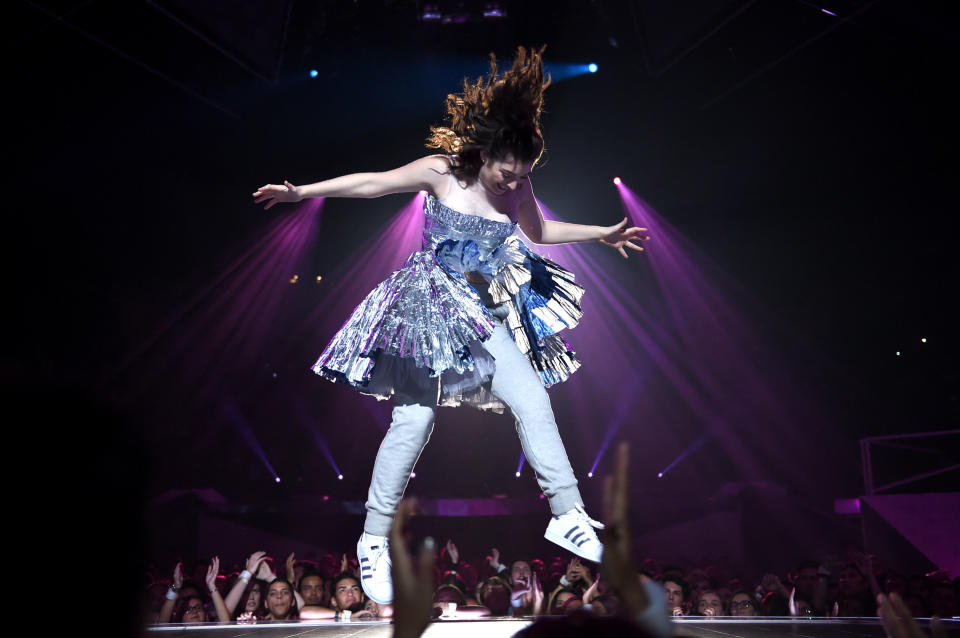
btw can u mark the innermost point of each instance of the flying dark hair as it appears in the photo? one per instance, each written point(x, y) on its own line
point(498, 116)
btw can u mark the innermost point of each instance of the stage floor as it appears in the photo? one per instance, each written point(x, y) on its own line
point(504, 627)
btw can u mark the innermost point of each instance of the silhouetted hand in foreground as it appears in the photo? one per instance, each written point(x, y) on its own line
point(412, 580)
point(899, 623)
point(618, 568)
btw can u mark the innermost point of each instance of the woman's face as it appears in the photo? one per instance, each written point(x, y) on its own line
point(710, 604)
point(253, 598)
point(500, 176)
point(194, 611)
point(740, 606)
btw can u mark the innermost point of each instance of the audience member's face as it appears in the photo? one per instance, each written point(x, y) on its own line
point(311, 588)
point(674, 595)
point(194, 611)
point(520, 571)
point(372, 607)
point(347, 595)
point(566, 602)
point(740, 606)
point(279, 600)
point(253, 598)
point(710, 604)
point(851, 582)
point(807, 582)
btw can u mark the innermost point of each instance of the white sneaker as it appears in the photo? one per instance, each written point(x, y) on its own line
point(573, 531)
point(373, 552)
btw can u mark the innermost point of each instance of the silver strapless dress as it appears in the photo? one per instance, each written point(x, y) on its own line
point(427, 320)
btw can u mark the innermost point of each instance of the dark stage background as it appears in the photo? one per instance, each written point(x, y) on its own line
point(806, 160)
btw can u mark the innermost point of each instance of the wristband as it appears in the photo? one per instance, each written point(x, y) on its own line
point(172, 594)
point(245, 576)
point(345, 614)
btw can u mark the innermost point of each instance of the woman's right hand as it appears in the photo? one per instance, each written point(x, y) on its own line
point(271, 193)
point(254, 561)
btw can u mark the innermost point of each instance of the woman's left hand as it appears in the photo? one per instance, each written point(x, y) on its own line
point(620, 237)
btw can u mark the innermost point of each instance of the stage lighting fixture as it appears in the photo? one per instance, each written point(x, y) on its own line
point(590, 474)
point(413, 475)
point(319, 278)
point(518, 474)
point(617, 180)
point(339, 477)
point(326, 498)
point(431, 13)
point(829, 13)
point(898, 353)
point(294, 279)
point(313, 73)
point(923, 339)
point(660, 475)
point(276, 478)
point(592, 68)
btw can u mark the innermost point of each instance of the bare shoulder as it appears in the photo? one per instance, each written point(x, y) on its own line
point(437, 170)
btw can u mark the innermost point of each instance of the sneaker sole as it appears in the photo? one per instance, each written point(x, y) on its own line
point(557, 539)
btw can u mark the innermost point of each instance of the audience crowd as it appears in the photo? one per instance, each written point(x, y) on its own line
point(567, 595)
point(492, 586)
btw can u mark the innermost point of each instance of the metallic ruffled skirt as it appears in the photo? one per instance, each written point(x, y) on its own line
point(427, 321)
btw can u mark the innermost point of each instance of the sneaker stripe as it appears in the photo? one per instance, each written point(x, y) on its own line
point(363, 560)
point(580, 544)
point(572, 530)
point(575, 538)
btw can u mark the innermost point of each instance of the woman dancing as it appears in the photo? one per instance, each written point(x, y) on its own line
point(472, 318)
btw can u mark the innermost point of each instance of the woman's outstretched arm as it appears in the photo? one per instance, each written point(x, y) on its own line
point(427, 173)
point(545, 231)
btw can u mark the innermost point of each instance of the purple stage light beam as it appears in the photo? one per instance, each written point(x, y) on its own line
point(623, 409)
point(523, 459)
point(693, 447)
point(239, 422)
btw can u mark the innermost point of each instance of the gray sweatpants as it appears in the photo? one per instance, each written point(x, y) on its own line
point(517, 384)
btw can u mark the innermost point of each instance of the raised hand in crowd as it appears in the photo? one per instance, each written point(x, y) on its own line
point(452, 552)
point(578, 572)
point(412, 579)
point(494, 560)
point(236, 592)
point(166, 611)
point(292, 569)
point(536, 595)
point(899, 622)
point(617, 562)
point(211, 580)
point(592, 591)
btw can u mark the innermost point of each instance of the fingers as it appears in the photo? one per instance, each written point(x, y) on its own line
point(620, 486)
point(425, 560)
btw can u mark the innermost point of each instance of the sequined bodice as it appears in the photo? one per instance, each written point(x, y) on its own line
point(444, 223)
